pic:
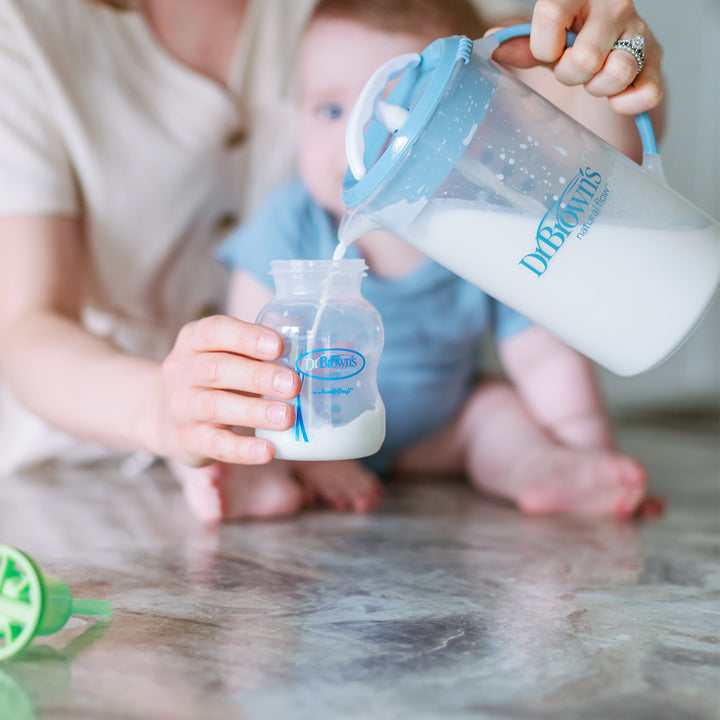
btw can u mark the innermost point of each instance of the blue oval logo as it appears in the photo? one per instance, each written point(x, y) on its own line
point(330, 364)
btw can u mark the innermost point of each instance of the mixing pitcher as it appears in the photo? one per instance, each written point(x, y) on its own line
point(469, 165)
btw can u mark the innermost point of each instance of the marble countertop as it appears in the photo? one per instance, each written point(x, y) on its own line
point(444, 604)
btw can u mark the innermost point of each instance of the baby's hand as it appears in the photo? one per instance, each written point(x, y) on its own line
point(211, 382)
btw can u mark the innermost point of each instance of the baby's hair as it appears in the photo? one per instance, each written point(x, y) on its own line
point(424, 18)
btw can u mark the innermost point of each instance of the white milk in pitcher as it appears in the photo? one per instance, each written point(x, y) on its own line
point(573, 290)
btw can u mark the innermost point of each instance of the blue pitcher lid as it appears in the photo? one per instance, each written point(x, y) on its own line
point(442, 106)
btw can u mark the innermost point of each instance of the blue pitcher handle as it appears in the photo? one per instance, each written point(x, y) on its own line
point(651, 160)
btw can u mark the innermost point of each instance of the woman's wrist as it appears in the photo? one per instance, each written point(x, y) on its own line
point(148, 418)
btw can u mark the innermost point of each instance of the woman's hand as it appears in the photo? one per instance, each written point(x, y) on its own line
point(211, 381)
point(591, 61)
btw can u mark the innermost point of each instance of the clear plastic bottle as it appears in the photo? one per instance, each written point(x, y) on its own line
point(333, 340)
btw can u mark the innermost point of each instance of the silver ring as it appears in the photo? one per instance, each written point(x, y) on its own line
point(636, 47)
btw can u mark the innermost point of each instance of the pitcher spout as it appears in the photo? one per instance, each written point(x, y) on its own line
point(354, 225)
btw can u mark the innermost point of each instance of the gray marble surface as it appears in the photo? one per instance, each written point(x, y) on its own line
point(444, 604)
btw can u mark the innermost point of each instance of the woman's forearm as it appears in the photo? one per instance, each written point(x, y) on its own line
point(80, 383)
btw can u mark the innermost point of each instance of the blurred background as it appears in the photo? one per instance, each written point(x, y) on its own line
point(690, 150)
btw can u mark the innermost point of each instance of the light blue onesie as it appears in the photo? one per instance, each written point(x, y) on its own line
point(434, 320)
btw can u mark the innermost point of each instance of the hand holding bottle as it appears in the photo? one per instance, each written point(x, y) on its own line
point(216, 378)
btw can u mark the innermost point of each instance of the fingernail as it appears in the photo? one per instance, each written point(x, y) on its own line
point(267, 343)
point(277, 414)
point(282, 381)
point(259, 450)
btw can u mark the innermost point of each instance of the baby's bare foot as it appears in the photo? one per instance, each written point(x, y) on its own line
point(232, 492)
point(344, 484)
point(563, 480)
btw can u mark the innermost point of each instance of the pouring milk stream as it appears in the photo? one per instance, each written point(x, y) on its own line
point(469, 165)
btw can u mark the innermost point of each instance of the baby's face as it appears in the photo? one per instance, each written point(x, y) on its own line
point(336, 60)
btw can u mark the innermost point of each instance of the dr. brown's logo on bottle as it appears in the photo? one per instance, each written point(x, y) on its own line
point(330, 364)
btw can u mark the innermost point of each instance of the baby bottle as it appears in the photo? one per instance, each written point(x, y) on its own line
point(333, 339)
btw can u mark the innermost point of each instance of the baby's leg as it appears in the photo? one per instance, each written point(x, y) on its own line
point(506, 453)
point(343, 484)
point(232, 492)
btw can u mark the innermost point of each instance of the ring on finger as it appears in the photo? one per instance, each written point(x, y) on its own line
point(636, 47)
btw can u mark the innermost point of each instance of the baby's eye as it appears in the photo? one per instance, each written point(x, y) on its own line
point(330, 111)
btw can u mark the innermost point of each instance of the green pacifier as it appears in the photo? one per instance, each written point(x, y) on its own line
point(34, 604)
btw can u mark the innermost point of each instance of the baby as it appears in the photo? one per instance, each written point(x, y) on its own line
point(541, 440)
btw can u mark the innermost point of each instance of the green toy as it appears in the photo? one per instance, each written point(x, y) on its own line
point(34, 604)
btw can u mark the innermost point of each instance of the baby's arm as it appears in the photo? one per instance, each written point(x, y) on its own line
point(247, 296)
point(558, 386)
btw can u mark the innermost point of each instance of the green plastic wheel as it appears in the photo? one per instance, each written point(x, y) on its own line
point(22, 601)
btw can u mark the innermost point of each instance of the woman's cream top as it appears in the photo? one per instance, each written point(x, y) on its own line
point(99, 121)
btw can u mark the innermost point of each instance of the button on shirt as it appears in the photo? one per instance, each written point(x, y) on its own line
point(236, 138)
point(225, 223)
